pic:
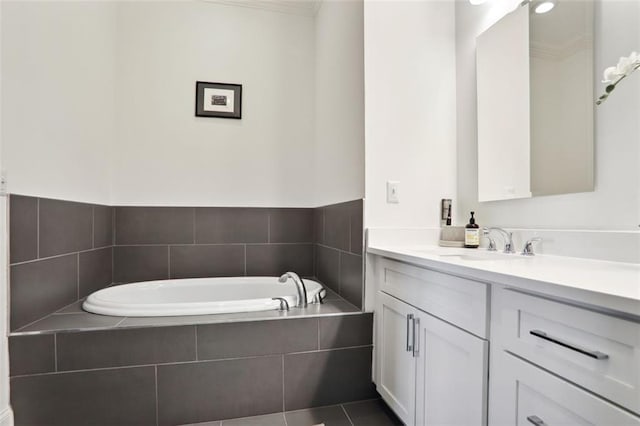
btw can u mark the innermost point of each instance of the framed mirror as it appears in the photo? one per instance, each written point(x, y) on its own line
point(535, 100)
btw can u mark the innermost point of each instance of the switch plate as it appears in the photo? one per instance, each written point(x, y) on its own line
point(392, 191)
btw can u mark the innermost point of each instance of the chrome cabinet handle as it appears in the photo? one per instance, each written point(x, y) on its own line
point(535, 420)
point(416, 337)
point(409, 321)
point(593, 354)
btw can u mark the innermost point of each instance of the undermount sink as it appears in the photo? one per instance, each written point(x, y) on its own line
point(469, 254)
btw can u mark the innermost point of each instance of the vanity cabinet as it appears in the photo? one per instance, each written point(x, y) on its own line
point(558, 363)
point(428, 370)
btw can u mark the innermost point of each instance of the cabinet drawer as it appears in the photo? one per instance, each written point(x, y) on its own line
point(525, 395)
point(594, 350)
point(459, 301)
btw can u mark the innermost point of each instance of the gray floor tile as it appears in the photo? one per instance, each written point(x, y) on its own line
point(31, 354)
point(330, 416)
point(64, 227)
point(124, 396)
point(81, 321)
point(371, 413)
point(345, 331)
point(268, 420)
point(23, 235)
point(74, 308)
point(202, 391)
point(253, 338)
point(316, 379)
point(125, 347)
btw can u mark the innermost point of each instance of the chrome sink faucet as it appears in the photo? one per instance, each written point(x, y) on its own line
point(528, 246)
point(507, 236)
point(300, 287)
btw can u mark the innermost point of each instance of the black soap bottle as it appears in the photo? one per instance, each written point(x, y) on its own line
point(472, 233)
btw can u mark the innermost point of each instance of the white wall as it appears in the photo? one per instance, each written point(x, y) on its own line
point(58, 98)
point(410, 121)
point(339, 102)
point(167, 156)
point(615, 203)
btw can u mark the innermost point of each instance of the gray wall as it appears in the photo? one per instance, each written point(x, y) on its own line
point(191, 373)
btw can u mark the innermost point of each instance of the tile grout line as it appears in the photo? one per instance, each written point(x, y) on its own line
point(283, 394)
point(195, 333)
point(77, 276)
point(59, 255)
point(93, 226)
point(346, 414)
point(37, 228)
point(55, 352)
point(155, 367)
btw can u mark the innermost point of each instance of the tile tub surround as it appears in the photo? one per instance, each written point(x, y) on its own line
point(60, 251)
point(339, 247)
point(190, 373)
point(50, 239)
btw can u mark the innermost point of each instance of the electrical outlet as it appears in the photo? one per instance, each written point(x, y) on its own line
point(392, 191)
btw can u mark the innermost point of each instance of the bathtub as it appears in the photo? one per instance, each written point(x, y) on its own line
point(197, 296)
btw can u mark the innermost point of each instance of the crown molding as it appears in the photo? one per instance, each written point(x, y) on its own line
point(292, 7)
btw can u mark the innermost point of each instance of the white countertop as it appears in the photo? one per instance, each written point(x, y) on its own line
point(610, 285)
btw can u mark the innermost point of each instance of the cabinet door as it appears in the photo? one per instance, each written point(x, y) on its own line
point(524, 395)
point(395, 364)
point(452, 369)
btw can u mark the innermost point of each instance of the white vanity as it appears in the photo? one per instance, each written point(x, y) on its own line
point(467, 337)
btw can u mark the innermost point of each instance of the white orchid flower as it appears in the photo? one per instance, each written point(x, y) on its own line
point(613, 75)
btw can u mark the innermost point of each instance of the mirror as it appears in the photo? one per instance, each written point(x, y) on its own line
point(536, 102)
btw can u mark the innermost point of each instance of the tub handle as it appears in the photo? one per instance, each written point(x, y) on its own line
point(284, 305)
point(319, 297)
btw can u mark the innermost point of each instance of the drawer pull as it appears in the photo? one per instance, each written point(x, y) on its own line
point(409, 321)
point(535, 420)
point(564, 343)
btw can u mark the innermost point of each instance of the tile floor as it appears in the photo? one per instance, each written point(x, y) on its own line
point(362, 413)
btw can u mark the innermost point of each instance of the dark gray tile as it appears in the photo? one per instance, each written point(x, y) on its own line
point(104, 397)
point(327, 267)
point(31, 354)
point(102, 226)
point(198, 261)
point(291, 226)
point(94, 270)
point(371, 413)
point(275, 259)
point(231, 225)
point(344, 331)
point(357, 228)
point(140, 263)
point(80, 321)
point(154, 225)
point(41, 287)
point(74, 308)
point(125, 347)
point(329, 416)
point(337, 226)
point(65, 227)
point(205, 391)
point(216, 423)
point(276, 419)
point(23, 228)
point(318, 225)
point(351, 282)
point(244, 339)
point(331, 295)
point(315, 379)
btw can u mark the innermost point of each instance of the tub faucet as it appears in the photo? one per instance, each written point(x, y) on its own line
point(302, 290)
point(508, 238)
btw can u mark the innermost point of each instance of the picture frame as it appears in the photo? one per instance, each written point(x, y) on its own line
point(222, 100)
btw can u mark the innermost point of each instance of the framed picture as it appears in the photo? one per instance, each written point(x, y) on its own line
point(218, 100)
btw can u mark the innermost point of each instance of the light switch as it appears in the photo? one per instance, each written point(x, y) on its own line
point(392, 191)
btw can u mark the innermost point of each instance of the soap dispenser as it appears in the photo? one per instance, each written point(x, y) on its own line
point(472, 233)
